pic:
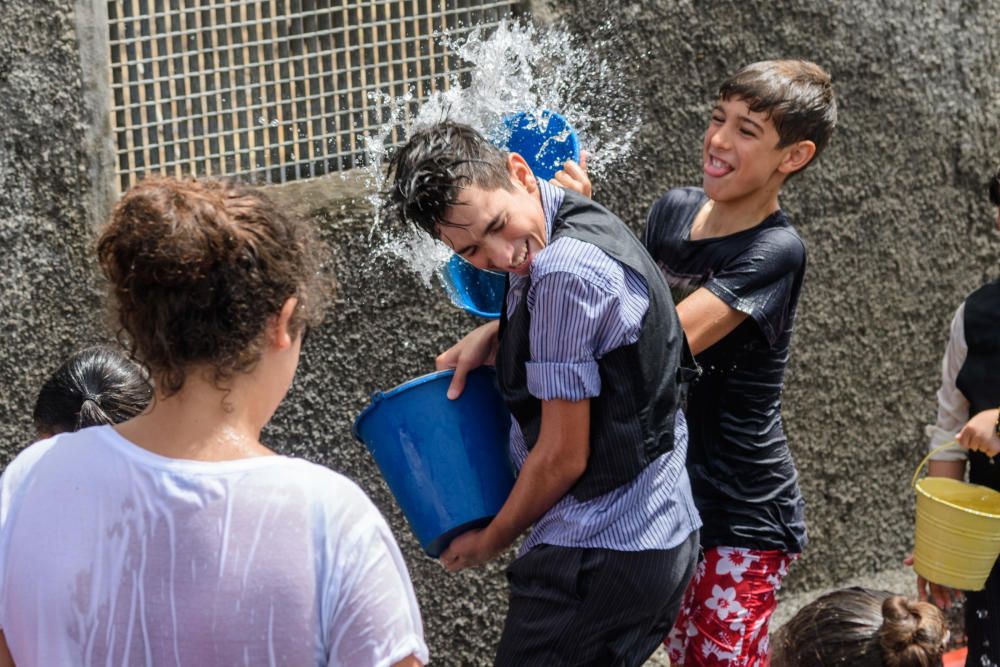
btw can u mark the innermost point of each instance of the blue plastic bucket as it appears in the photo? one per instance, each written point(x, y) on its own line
point(545, 141)
point(475, 291)
point(445, 461)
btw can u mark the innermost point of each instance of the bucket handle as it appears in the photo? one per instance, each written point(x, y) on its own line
point(950, 443)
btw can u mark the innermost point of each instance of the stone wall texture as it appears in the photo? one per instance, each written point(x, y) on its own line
point(894, 214)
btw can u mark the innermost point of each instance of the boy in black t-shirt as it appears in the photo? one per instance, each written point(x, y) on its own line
point(736, 265)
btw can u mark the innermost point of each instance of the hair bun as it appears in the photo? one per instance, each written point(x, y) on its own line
point(171, 238)
point(913, 634)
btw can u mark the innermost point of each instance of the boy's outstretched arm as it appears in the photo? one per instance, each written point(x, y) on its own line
point(553, 466)
point(479, 347)
point(706, 319)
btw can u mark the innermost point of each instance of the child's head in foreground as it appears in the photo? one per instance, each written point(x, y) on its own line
point(771, 120)
point(862, 628)
point(482, 201)
point(199, 269)
point(95, 386)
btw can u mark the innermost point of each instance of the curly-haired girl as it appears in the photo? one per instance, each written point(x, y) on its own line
point(177, 537)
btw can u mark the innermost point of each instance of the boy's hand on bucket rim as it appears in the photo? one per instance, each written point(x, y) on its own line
point(478, 348)
point(574, 176)
point(979, 434)
point(940, 596)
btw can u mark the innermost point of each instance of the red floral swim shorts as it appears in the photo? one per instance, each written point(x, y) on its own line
point(723, 620)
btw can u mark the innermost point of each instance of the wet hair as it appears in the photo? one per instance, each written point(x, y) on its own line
point(796, 95)
point(198, 267)
point(97, 385)
point(994, 188)
point(862, 628)
point(428, 173)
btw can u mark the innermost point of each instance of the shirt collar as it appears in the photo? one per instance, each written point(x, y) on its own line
point(552, 199)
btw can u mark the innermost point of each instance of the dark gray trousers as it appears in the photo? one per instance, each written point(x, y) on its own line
point(597, 607)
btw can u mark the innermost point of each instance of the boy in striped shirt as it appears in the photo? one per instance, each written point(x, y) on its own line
point(588, 352)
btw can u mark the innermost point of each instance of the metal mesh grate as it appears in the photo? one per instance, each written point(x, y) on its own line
point(269, 90)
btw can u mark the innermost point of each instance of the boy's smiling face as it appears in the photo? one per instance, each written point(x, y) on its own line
point(741, 155)
point(498, 230)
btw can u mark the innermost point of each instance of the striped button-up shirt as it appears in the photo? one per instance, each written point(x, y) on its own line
point(584, 304)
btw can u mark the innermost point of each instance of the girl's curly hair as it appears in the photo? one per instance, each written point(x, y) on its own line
point(197, 268)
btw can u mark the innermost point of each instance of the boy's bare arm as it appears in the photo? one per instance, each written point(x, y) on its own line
point(952, 469)
point(706, 319)
point(553, 466)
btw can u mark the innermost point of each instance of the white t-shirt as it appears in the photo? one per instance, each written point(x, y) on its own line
point(110, 554)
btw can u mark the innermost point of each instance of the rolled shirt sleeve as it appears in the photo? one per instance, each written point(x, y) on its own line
point(577, 317)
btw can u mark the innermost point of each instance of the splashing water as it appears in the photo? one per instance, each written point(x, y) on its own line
point(514, 67)
point(520, 67)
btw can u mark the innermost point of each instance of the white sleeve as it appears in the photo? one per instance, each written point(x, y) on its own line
point(953, 407)
point(11, 482)
point(375, 619)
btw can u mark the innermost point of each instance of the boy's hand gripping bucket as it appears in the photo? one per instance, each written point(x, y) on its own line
point(445, 461)
point(545, 141)
point(957, 535)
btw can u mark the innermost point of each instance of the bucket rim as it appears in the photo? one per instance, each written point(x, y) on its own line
point(378, 397)
point(926, 494)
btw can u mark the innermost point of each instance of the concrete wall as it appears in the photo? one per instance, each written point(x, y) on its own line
point(49, 303)
point(894, 214)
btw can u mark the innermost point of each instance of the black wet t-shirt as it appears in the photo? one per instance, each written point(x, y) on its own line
point(744, 480)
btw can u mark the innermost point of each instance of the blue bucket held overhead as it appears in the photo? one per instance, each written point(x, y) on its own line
point(546, 141)
point(445, 461)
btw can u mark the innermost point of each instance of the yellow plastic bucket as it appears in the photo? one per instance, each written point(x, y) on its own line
point(957, 530)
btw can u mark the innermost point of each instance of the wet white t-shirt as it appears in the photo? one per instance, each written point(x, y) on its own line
point(112, 555)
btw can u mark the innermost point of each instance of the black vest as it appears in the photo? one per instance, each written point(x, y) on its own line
point(632, 420)
point(979, 377)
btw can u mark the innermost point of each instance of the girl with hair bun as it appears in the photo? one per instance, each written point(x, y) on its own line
point(97, 385)
point(177, 536)
point(857, 627)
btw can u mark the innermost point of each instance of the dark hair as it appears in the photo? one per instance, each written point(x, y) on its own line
point(995, 189)
point(797, 96)
point(197, 267)
point(97, 385)
point(429, 171)
point(862, 628)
